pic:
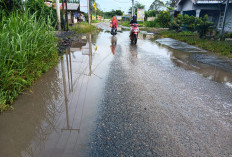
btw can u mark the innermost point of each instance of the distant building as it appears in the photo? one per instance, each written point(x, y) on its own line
point(215, 9)
point(74, 13)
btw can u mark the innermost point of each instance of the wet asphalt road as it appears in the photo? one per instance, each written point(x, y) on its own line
point(122, 100)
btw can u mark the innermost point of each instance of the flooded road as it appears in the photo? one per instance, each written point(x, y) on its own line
point(107, 97)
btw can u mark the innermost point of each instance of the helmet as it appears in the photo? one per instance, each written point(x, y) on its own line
point(134, 17)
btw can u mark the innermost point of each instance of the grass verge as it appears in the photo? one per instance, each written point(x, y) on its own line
point(223, 48)
point(82, 28)
point(27, 49)
point(127, 23)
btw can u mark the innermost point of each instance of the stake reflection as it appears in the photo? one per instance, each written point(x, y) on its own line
point(65, 89)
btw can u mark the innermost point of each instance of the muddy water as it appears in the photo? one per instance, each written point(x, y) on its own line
point(57, 115)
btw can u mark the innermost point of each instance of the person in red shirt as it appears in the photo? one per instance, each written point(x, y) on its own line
point(114, 22)
point(114, 25)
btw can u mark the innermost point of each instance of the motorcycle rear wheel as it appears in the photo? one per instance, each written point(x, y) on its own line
point(134, 39)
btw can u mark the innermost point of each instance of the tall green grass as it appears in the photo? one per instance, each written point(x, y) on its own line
point(81, 28)
point(27, 49)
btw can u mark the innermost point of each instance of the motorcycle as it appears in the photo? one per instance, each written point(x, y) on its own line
point(134, 33)
point(113, 30)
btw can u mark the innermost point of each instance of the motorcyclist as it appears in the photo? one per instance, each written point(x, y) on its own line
point(114, 22)
point(133, 21)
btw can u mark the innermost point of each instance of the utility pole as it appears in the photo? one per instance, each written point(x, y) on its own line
point(224, 18)
point(63, 12)
point(89, 15)
point(58, 14)
point(66, 15)
point(132, 9)
point(90, 55)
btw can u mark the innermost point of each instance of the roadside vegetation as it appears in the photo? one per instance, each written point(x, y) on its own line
point(189, 29)
point(195, 31)
point(199, 32)
point(127, 23)
point(82, 28)
point(220, 47)
point(27, 47)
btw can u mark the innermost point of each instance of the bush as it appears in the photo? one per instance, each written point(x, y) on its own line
point(228, 35)
point(150, 13)
point(204, 26)
point(175, 26)
point(177, 23)
point(140, 23)
point(164, 19)
point(125, 23)
point(190, 22)
point(151, 24)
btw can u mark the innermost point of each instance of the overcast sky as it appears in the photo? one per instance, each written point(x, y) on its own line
point(124, 5)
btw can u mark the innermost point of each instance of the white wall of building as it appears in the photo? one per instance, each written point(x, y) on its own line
point(187, 5)
point(228, 23)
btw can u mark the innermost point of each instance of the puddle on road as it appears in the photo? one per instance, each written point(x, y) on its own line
point(211, 72)
point(185, 56)
point(177, 45)
point(55, 119)
point(193, 58)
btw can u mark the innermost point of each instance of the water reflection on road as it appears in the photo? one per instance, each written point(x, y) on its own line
point(57, 117)
point(113, 44)
point(192, 58)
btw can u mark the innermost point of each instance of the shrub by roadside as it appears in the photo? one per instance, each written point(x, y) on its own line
point(152, 24)
point(191, 23)
point(164, 19)
point(125, 23)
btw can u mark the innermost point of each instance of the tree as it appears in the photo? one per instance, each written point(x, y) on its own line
point(150, 13)
point(113, 13)
point(172, 3)
point(169, 5)
point(156, 5)
point(137, 6)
